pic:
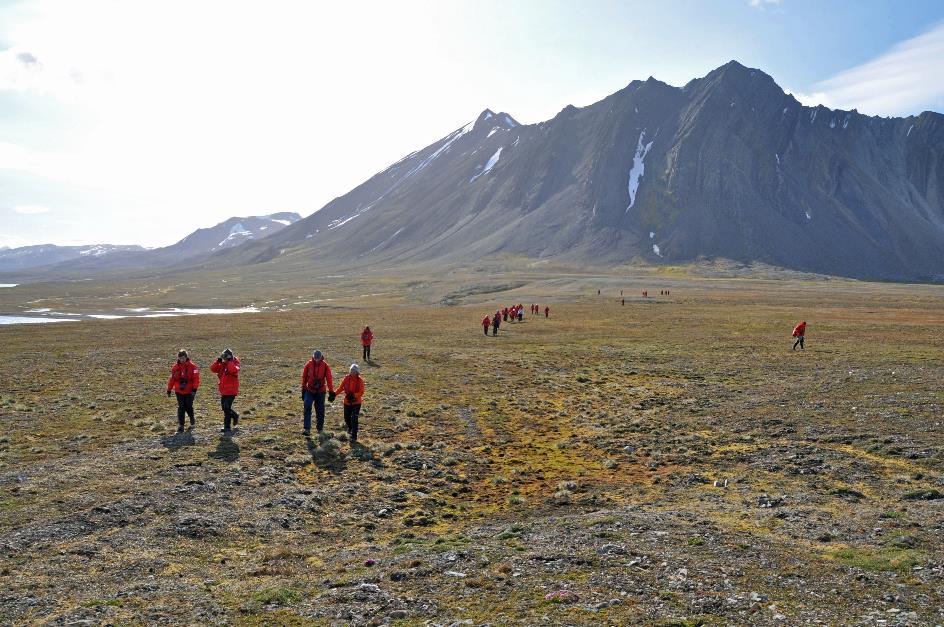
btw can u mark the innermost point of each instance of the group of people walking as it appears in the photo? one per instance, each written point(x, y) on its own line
point(317, 385)
point(512, 314)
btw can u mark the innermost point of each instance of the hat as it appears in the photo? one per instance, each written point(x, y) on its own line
point(317, 355)
point(227, 351)
point(355, 369)
point(182, 353)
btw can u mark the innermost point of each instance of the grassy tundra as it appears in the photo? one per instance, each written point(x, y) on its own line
point(670, 461)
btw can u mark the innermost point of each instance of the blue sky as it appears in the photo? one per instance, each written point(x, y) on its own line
point(138, 122)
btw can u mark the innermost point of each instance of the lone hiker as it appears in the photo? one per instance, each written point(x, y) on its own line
point(547, 311)
point(316, 382)
point(352, 386)
point(367, 336)
point(226, 368)
point(184, 380)
point(486, 323)
point(496, 322)
point(798, 332)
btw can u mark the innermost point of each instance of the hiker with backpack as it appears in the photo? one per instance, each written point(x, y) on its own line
point(367, 336)
point(799, 331)
point(184, 381)
point(226, 368)
point(316, 383)
point(352, 387)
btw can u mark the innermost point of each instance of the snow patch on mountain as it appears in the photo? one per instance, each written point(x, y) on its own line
point(638, 169)
point(489, 165)
point(237, 235)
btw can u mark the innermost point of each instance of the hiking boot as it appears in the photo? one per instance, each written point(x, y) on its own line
point(180, 428)
point(224, 430)
point(235, 419)
point(306, 433)
point(192, 423)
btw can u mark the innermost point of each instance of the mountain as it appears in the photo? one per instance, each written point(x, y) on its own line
point(76, 261)
point(727, 166)
point(26, 257)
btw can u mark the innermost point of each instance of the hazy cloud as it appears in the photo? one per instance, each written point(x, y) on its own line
point(760, 4)
point(903, 81)
point(27, 58)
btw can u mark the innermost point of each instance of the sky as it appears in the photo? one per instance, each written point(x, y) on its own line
point(137, 122)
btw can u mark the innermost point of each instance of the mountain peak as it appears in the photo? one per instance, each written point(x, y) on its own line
point(496, 119)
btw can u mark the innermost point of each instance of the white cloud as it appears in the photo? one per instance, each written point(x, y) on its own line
point(760, 4)
point(29, 210)
point(903, 81)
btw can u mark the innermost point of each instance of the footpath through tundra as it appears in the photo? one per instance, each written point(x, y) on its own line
point(666, 462)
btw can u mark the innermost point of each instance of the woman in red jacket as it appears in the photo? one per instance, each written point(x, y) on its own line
point(367, 336)
point(184, 380)
point(353, 389)
point(226, 368)
point(486, 322)
point(798, 332)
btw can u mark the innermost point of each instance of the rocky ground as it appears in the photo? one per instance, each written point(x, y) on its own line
point(669, 462)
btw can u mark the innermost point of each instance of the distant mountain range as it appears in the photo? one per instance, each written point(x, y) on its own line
point(728, 166)
point(48, 259)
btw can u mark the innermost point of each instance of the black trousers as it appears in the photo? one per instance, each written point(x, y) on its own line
point(351, 414)
point(799, 341)
point(230, 417)
point(184, 406)
point(367, 352)
point(494, 329)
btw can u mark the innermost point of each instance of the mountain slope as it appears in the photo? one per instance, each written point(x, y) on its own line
point(726, 166)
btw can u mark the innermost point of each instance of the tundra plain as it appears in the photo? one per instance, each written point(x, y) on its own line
point(669, 462)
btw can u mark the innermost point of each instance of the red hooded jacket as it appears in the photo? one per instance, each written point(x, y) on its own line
point(799, 329)
point(228, 373)
point(367, 336)
point(486, 321)
point(188, 373)
point(351, 384)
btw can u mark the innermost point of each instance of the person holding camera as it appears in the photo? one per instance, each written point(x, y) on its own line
point(226, 368)
point(184, 381)
point(353, 389)
point(316, 382)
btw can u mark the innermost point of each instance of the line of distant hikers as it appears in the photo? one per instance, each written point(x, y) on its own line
point(513, 313)
point(316, 385)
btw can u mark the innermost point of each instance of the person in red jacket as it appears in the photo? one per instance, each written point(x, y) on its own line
point(353, 389)
point(547, 311)
point(486, 322)
point(316, 382)
point(799, 331)
point(226, 368)
point(184, 381)
point(367, 336)
point(505, 314)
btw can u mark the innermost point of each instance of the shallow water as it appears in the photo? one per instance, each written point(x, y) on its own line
point(31, 320)
point(8, 284)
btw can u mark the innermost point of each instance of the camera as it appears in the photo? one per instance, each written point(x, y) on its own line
point(183, 383)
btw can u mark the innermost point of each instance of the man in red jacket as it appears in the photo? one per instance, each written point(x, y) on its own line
point(184, 380)
point(316, 382)
point(226, 368)
point(486, 322)
point(798, 332)
point(367, 336)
